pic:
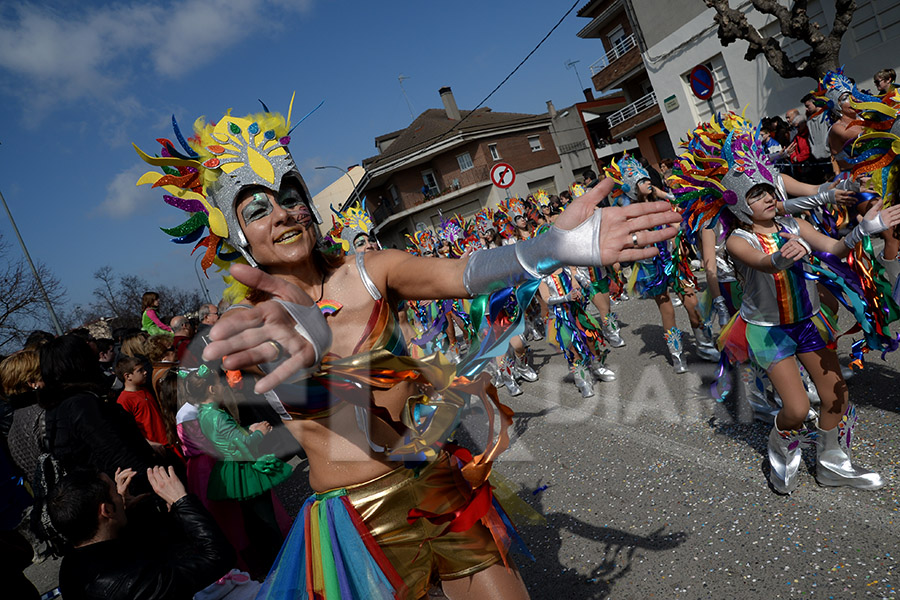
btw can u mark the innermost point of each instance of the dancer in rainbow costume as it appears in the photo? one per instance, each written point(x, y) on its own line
point(576, 333)
point(653, 278)
point(780, 320)
point(397, 506)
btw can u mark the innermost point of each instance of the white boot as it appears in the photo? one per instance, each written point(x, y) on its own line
point(785, 457)
point(522, 369)
point(673, 343)
point(601, 371)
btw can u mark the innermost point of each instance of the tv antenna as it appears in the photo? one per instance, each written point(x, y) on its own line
point(570, 64)
point(400, 79)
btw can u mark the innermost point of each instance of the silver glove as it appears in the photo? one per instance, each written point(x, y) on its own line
point(793, 206)
point(490, 270)
point(721, 310)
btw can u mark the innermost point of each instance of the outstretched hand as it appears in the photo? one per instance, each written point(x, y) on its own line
point(620, 222)
point(890, 217)
point(263, 333)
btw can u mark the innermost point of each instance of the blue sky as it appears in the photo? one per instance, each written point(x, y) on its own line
point(78, 85)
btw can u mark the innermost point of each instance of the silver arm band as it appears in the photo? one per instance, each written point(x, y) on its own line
point(792, 206)
point(780, 262)
point(560, 299)
point(865, 228)
point(490, 270)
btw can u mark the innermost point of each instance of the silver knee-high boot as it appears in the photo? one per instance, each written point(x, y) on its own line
point(785, 456)
point(522, 368)
point(601, 371)
point(834, 461)
point(755, 391)
point(508, 378)
point(673, 343)
point(706, 348)
point(610, 329)
point(583, 380)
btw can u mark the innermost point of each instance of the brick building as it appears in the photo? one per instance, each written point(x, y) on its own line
point(622, 67)
point(442, 161)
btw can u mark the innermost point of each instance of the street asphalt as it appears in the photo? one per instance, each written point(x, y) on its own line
point(652, 489)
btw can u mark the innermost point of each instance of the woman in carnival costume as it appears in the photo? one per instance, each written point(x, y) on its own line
point(780, 321)
point(724, 293)
point(353, 229)
point(374, 423)
point(652, 278)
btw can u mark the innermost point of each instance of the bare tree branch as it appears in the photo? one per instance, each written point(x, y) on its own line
point(22, 304)
point(794, 23)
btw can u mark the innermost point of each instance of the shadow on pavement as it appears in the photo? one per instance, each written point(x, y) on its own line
point(617, 550)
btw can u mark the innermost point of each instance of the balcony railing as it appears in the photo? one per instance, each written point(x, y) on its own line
point(463, 180)
point(632, 110)
point(618, 50)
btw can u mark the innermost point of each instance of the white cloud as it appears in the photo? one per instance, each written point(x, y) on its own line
point(124, 198)
point(92, 54)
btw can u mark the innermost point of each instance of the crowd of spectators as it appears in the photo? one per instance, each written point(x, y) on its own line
point(107, 463)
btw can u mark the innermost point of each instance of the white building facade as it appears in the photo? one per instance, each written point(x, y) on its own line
point(681, 34)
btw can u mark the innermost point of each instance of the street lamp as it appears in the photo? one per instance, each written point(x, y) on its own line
point(346, 172)
point(53, 318)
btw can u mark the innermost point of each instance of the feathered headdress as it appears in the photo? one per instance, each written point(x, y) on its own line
point(542, 198)
point(355, 222)
point(721, 164)
point(484, 221)
point(834, 85)
point(627, 173)
point(513, 207)
point(503, 223)
point(877, 150)
point(205, 177)
point(423, 240)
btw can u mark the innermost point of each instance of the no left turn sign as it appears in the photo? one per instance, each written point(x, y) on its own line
point(503, 175)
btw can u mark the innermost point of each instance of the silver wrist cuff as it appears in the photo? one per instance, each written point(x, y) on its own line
point(849, 185)
point(865, 228)
point(490, 270)
point(310, 323)
point(780, 262)
point(583, 280)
